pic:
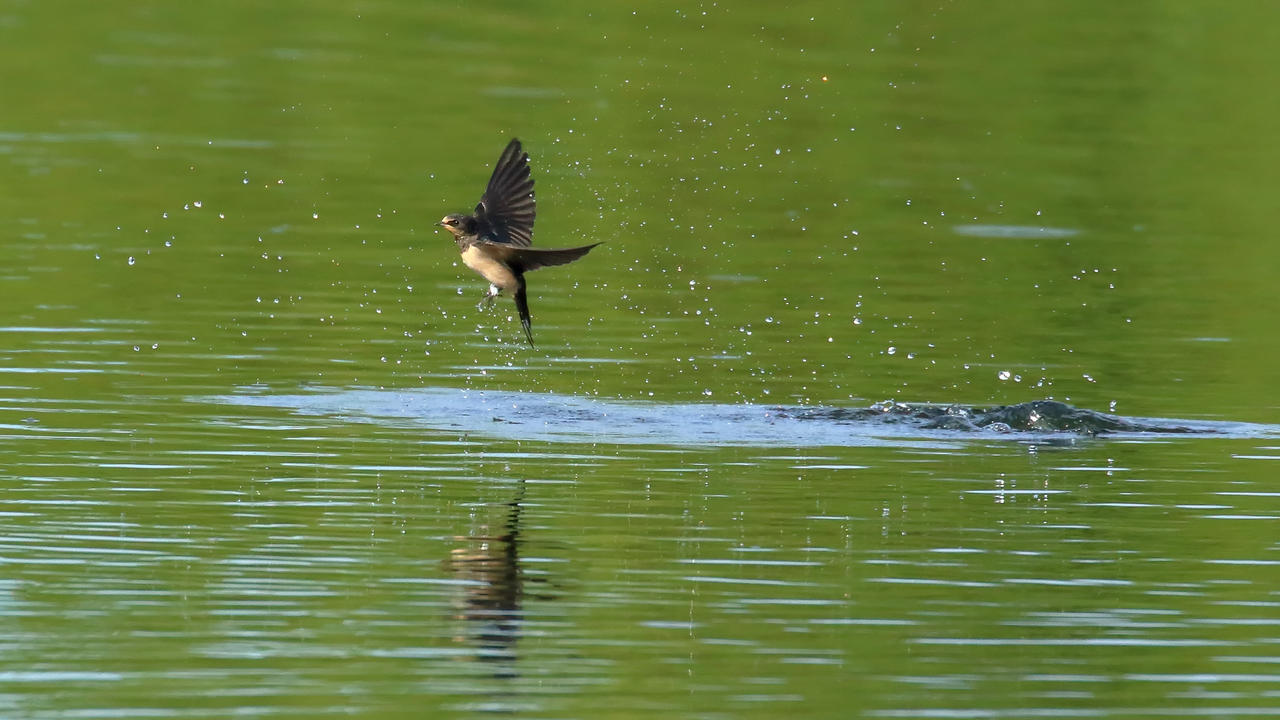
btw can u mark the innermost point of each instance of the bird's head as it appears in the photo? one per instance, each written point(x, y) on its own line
point(456, 224)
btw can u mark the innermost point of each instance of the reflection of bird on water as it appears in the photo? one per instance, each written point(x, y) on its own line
point(491, 599)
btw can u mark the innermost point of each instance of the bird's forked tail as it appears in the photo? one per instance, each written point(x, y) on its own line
point(522, 306)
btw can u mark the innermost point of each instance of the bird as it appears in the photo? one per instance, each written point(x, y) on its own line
point(495, 239)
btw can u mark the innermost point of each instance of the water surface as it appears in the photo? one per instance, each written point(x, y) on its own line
point(264, 458)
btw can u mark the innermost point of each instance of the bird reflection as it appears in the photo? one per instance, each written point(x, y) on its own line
point(490, 602)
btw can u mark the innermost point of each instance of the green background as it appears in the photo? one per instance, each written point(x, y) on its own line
point(823, 204)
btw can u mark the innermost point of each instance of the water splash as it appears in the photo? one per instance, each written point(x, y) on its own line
point(550, 417)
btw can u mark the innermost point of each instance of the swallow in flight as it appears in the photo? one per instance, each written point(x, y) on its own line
point(495, 239)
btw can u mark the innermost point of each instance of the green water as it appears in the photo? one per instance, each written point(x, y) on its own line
point(821, 205)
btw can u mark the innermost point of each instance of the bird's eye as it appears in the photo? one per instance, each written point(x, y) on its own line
point(451, 222)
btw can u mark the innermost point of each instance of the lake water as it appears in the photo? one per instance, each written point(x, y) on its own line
point(263, 456)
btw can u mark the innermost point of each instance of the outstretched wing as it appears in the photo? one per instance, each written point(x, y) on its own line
point(506, 208)
point(525, 259)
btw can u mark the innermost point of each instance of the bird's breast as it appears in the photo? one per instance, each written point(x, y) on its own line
point(488, 268)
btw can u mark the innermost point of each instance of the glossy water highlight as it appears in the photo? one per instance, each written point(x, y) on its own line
point(546, 417)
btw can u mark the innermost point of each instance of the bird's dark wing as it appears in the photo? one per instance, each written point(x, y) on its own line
point(506, 209)
point(525, 259)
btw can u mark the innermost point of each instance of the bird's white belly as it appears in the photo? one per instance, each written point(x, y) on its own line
point(489, 269)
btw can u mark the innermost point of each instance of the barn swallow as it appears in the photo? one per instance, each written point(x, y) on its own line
point(495, 239)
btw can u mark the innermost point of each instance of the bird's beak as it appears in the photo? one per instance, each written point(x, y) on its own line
point(441, 224)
